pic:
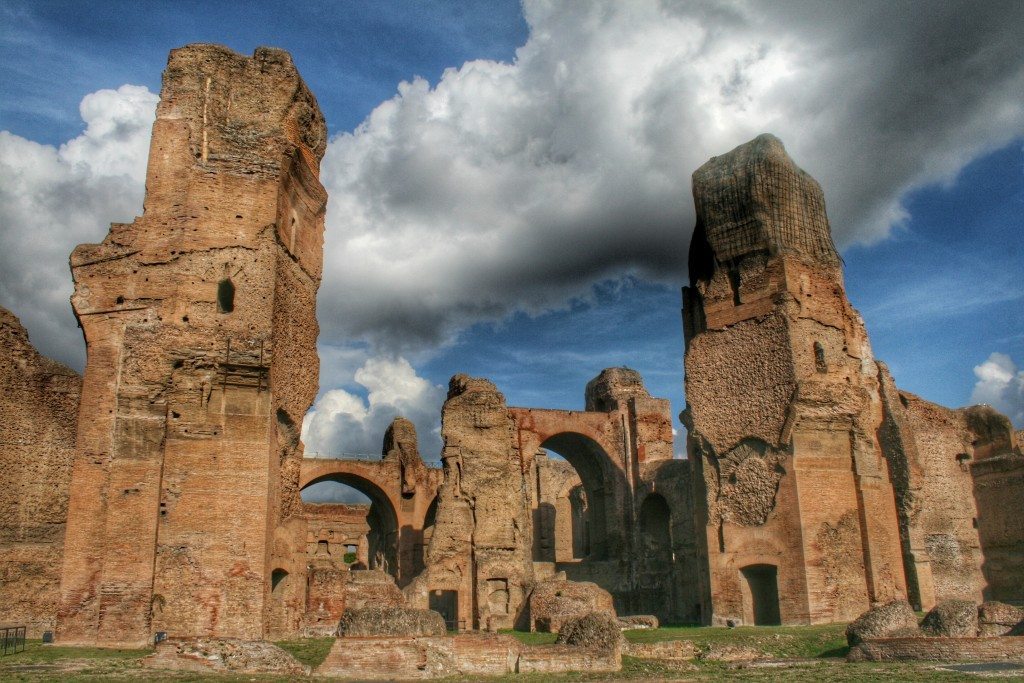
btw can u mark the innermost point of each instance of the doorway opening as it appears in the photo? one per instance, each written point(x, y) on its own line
point(446, 603)
point(762, 593)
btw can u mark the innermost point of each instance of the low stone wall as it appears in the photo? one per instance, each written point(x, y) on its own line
point(551, 659)
point(664, 650)
point(995, 648)
point(224, 655)
point(470, 654)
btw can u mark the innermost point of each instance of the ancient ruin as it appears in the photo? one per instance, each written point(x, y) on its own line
point(200, 324)
point(161, 493)
point(38, 417)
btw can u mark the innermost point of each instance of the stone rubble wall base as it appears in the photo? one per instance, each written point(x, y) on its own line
point(224, 655)
point(993, 648)
point(389, 658)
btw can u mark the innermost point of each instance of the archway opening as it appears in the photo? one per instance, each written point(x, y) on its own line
point(761, 593)
point(429, 520)
point(656, 527)
point(590, 500)
point(280, 592)
point(356, 518)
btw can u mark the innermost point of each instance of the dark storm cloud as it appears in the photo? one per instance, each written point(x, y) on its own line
point(517, 187)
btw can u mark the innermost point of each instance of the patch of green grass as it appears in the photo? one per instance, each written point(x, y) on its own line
point(827, 640)
point(37, 653)
point(310, 651)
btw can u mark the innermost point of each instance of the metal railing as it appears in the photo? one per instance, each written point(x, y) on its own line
point(361, 457)
point(12, 639)
point(344, 456)
point(455, 625)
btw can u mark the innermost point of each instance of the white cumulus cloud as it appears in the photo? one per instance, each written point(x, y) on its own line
point(1001, 385)
point(342, 422)
point(52, 199)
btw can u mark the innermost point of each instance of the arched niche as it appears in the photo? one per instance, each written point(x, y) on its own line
point(382, 519)
point(596, 474)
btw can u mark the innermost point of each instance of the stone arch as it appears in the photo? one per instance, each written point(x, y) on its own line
point(383, 516)
point(596, 471)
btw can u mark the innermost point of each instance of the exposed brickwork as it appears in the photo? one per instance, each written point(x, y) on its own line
point(814, 486)
point(985, 649)
point(367, 658)
point(38, 408)
point(555, 601)
point(783, 404)
point(200, 325)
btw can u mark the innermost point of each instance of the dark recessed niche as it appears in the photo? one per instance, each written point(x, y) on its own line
point(225, 296)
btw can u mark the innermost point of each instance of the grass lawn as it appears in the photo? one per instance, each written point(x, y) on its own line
point(777, 641)
point(310, 651)
point(787, 642)
point(814, 654)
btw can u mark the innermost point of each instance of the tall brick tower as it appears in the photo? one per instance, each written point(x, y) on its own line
point(783, 404)
point(200, 323)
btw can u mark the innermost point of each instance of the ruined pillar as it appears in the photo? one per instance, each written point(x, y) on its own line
point(479, 562)
point(199, 318)
point(783, 404)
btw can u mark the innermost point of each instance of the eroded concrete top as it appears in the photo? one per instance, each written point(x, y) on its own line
point(754, 199)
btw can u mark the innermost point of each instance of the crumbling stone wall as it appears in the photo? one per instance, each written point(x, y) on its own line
point(944, 511)
point(481, 548)
point(199, 319)
point(666, 557)
point(617, 447)
point(38, 411)
point(783, 404)
point(997, 470)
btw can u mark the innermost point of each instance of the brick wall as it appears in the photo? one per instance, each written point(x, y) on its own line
point(995, 648)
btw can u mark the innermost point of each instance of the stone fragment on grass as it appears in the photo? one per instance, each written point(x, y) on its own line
point(391, 621)
point(595, 630)
point(952, 619)
point(999, 619)
point(891, 620)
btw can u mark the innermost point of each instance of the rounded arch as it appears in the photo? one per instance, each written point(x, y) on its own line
point(382, 517)
point(596, 472)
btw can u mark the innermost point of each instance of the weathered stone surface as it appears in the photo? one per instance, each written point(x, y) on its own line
point(952, 619)
point(721, 652)
point(663, 651)
point(596, 630)
point(481, 548)
point(999, 619)
point(893, 619)
point(38, 410)
point(554, 602)
point(639, 621)
point(401, 443)
point(402, 658)
point(991, 649)
point(390, 621)
point(200, 325)
point(372, 588)
point(783, 404)
point(224, 655)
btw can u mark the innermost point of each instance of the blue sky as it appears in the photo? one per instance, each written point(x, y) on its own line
point(510, 191)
